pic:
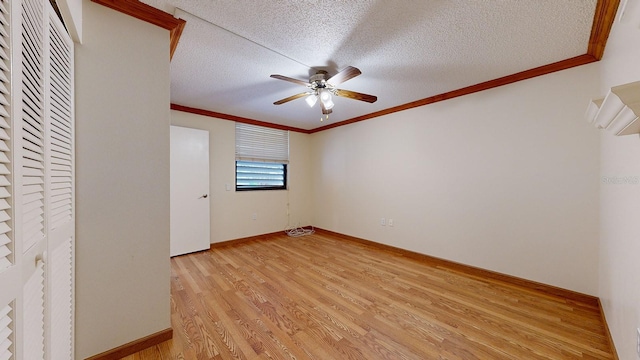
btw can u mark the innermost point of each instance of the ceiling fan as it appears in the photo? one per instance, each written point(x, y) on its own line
point(321, 87)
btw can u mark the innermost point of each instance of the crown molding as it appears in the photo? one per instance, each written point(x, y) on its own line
point(602, 22)
point(505, 80)
point(236, 118)
point(151, 15)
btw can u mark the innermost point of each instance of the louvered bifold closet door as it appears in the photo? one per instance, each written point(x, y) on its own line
point(10, 279)
point(32, 151)
point(59, 189)
point(29, 157)
point(6, 332)
point(36, 183)
point(60, 336)
point(33, 334)
point(6, 245)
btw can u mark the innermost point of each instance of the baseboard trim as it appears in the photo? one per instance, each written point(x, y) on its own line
point(471, 270)
point(614, 352)
point(134, 346)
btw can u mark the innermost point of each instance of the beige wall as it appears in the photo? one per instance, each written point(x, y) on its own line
point(505, 179)
point(231, 211)
point(122, 193)
point(620, 203)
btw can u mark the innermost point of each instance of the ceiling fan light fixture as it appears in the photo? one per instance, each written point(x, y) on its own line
point(311, 100)
point(325, 97)
point(328, 104)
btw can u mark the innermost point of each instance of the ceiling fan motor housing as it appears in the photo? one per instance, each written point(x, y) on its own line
point(319, 79)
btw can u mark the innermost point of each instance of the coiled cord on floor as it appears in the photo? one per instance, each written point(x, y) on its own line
point(299, 231)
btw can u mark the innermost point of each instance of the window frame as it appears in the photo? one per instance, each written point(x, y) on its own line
point(263, 187)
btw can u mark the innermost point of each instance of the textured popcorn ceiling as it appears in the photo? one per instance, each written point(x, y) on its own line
point(406, 50)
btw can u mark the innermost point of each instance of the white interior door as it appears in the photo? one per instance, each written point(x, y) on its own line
point(189, 190)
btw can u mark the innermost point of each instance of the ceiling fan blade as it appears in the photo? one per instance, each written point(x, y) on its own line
point(347, 73)
point(286, 78)
point(356, 95)
point(293, 97)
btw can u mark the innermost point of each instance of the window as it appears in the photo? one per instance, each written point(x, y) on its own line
point(262, 156)
point(253, 175)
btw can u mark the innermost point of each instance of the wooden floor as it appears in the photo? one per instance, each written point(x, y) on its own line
point(324, 297)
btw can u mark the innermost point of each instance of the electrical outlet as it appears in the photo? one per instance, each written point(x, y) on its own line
point(390, 222)
point(383, 222)
point(254, 216)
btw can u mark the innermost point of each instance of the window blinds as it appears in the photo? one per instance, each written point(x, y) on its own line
point(257, 143)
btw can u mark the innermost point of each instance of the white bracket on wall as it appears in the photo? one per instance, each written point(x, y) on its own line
point(618, 111)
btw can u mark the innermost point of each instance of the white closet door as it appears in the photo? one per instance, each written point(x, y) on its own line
point(59, 190)
point(59, 123)
point(5, 129)
point(36, 183)
point(33, 308)
point(33, 123)
point(60, 300)
point(10, 274)
point(6, 332)
point(29, 174)
point(6, 243)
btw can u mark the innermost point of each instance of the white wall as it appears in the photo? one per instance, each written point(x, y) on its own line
point(122, 114)
point(231, 211)
point(505, 179)
point(71, 11)
point(620, 203)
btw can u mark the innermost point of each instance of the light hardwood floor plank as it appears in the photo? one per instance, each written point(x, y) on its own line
point(325, 297)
